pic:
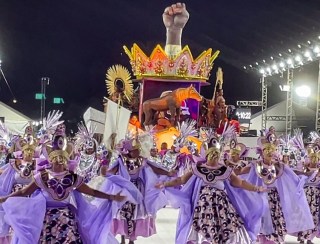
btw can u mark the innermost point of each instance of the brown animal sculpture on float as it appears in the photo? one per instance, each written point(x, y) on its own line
point(172, 102)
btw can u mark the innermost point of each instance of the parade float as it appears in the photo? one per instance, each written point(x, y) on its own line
point(166, 89)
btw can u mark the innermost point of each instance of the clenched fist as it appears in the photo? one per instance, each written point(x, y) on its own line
point(175, 16)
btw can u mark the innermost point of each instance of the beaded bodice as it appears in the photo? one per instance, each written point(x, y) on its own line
point(22, 168)
point(269, 173)
point(58, 185)
point(211, 175)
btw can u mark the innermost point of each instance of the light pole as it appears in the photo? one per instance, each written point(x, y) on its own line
point(44, 82)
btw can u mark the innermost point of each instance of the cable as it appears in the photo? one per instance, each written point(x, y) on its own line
point(5, 79)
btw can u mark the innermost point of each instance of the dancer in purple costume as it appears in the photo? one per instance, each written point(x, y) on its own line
point(16, 175)
point(211, 209)
point(311, 176)
point(114, 184)
point(58, 219)
point(288, 210)
point(137, 219)
point(235, 158)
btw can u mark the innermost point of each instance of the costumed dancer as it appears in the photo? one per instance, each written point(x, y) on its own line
point(310, 174)
point(87, 146)
point(5, 141)
point(174, 160)
point(46, 132)
point(287, 210)
point(137, 219)
point(63, 215)
point(17, 174)
point(104, 157)
point(211, 209)
point(286, 150)
point(110, 183)
point(235, 157)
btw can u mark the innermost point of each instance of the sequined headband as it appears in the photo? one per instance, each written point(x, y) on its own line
point(57, 153)
point(28, 146)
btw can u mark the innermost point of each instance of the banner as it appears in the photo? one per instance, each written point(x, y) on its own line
point(117, 120)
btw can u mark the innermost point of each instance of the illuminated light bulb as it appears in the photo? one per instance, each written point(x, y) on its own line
point(307, 54)
point(298, 58)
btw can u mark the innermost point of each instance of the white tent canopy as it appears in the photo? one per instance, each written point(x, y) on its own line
point(13, 119)
point(303, 117)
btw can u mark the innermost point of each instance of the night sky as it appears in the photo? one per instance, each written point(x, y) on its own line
point(74, 42)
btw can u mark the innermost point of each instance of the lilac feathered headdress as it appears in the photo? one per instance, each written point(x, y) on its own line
point(84, 138)
point(298, 144)
point(314, 138)
point(285, 146)
point(241, 149)
point(6, 138)
point(130, 143)
point(50, 125)
point(186, 128)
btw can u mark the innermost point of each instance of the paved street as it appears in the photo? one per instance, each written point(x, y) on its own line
point(166, 227)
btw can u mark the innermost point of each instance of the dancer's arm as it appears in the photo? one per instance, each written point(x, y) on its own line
point(176, 182)
point(159, 171)
point(85, 189)
point(298, 172)
point(26, 191)
point(104, 170)
point(243, 171)
point(239, 183)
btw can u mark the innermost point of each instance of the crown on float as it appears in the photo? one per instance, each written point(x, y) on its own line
point(160, 64)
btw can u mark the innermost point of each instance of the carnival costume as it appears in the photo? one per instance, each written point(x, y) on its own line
point(137, 219)
point(287, 210)
point(87, 146)
point(63, 215)
point(18, 173)
point(211, 210)
point(5, 143)
point(310, 175)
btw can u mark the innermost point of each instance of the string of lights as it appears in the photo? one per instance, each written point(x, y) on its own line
point(300, 55)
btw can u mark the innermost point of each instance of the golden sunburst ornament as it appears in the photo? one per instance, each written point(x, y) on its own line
point(119, 81)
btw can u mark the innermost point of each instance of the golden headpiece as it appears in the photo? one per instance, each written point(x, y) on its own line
point(60, 147)
point(28, 143)
point(269, 147)
point(212, 152)
point(57, 153)
point(312, 153)
point(160, 64)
